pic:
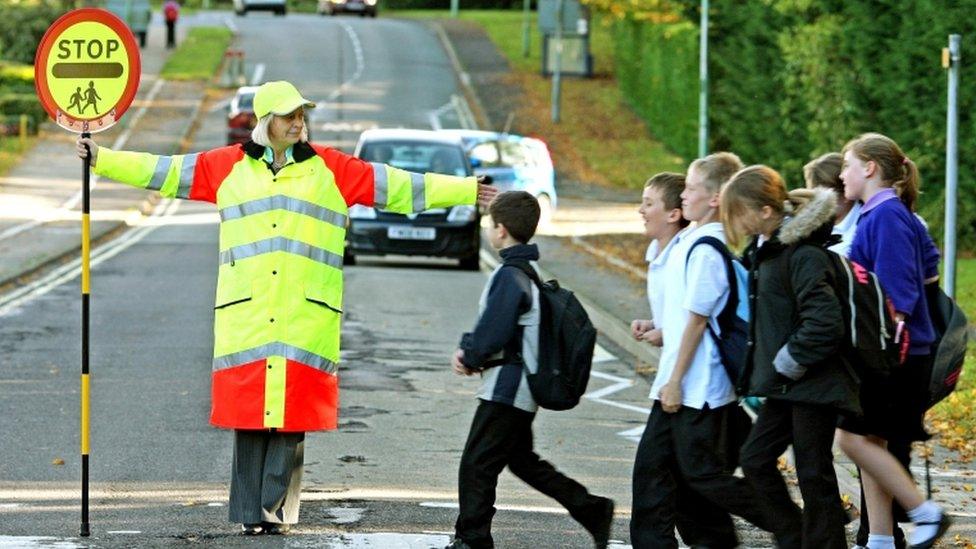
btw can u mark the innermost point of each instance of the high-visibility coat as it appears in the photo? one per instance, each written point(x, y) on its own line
point(279, 286)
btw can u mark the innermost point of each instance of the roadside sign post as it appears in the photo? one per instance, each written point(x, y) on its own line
point(950, 61)
point(86, 74)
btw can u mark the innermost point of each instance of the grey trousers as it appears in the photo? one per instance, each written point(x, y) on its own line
point(266, 477)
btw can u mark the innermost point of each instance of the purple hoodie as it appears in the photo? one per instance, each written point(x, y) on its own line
point(892, 242)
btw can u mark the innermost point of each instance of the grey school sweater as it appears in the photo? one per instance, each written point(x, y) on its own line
point(505, 341)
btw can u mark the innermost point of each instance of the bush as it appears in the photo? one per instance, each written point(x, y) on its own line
point(789, 80)
point(12, 105)
point(23, 25)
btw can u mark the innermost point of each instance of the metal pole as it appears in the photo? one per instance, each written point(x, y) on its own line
point(557, 69)
point(85, 295)
point(526, 15)
point(952, 164)
point(454, 8)
point(703, 82)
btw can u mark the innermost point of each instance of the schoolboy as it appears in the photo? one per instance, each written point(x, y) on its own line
point(660, 210)
point(503, 348)
point(686, 444)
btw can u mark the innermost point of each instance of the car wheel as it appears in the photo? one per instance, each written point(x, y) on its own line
point(470, 263)
point(372, 14)
point(362, 14)
point(241, 13)
point(348, 258)
point(545, 210)
point(280, 12)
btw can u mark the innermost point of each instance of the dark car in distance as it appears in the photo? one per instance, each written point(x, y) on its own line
point(442, 232)
point(334, 7)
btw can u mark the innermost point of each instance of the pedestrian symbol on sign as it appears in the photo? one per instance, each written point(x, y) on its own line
point(90, 96)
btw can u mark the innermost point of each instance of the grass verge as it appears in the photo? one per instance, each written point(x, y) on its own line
point(11, 151)
point(199, 55)
point(598, 138)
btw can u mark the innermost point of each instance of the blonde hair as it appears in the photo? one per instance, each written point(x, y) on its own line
point(751, 189)
point(716, 169)
point(261, 132)
point(824, 171)
point(897, 170)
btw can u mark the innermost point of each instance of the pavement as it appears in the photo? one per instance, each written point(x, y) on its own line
point(39, 212)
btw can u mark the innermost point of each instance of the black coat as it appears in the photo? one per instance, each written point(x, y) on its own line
point(802, 332)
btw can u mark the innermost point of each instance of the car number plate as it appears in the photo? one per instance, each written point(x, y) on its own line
point(411, 233)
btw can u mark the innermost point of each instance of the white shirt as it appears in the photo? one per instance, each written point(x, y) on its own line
point(656, 260)
point(699, 285)
point(846, 229)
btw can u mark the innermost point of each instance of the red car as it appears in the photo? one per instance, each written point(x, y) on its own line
point(240, 116)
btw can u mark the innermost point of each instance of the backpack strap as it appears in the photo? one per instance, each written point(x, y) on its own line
point(725, 317)
point(526, 268)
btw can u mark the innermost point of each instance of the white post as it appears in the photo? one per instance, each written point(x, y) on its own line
point(454, 8)
point(557, 69)
point(951, 62)
point(703, 82)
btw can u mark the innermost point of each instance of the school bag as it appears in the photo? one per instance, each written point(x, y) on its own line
point(566, 342)
point(952, 334)
point(868, 314)
point(733, 320)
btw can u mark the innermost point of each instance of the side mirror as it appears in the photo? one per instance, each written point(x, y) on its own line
point(475, 162)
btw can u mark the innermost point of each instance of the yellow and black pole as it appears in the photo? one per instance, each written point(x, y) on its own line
point(85, 298)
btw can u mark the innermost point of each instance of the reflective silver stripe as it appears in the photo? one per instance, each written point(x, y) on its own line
point(381, 185)
point(159, 174)
point(419, 194)
point(881, 312)
point(281, 244)
point(186, 175)
point(277, 348)
point(850, 304)
point(281, 202)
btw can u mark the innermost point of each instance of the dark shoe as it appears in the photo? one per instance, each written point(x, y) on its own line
point(944, 523)
point(252, 529)
point(275, 529)
point(458, 543)
point(601, 530)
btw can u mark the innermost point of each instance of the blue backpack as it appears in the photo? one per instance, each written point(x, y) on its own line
point(733, 321)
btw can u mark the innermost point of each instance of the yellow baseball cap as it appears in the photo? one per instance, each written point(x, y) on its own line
point(278, 97)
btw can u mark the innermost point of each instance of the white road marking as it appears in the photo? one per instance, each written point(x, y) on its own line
point(124, 532)
point(229, 23)
point(258, 74)
point(38, 541)
point(357, 49)
point(65, 273)
point(389, 540)
point(60, 211)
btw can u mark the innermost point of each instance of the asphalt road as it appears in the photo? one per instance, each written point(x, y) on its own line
point(387, 478)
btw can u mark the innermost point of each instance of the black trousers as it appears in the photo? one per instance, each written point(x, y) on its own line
point(683, 478)
point(810, 429)
point(170, 34)
point(501, 436)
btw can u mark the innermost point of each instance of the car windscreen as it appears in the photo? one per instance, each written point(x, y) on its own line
point(245, 102)
point(416, 156)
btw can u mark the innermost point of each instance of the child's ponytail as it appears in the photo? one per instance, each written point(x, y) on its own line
point(907, 186)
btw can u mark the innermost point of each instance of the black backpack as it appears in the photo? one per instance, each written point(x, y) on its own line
point(566, 342)
point(733, 320)
point(952, 333)
point(869, 317)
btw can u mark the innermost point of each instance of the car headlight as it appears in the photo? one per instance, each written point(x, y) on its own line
point(361, 212)
point(462, 213)
point(370, 2)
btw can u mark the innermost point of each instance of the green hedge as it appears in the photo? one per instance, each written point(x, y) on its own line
point(791, 79)
point(12, 105)
point(657, 68)
point(23, 24)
